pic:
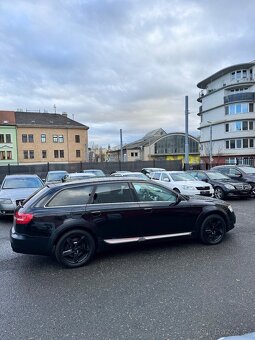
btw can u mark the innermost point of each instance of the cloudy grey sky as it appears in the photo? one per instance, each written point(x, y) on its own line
point(119, 64)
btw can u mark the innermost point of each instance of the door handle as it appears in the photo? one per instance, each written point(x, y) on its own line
point(96, 213)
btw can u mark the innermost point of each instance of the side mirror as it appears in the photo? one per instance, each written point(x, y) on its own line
point(166, 180)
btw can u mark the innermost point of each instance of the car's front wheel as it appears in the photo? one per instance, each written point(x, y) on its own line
point(219, 193)
point(213, 229)
point(75, 248)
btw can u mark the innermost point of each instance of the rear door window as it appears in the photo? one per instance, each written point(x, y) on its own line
point(112, 193)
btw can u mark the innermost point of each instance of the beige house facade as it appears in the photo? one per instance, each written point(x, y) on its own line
point(50, 137)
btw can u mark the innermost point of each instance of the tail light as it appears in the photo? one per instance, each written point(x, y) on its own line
point(22, 218)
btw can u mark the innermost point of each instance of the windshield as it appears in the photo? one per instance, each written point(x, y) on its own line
point(248, 169)
point(181, 177)
point(216, 175)
point(17, 183)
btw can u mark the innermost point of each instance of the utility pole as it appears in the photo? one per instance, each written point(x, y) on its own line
point(186, 160)
point(121, 146)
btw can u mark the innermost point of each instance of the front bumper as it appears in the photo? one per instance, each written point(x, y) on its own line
point(7, 209)
point(25, 244)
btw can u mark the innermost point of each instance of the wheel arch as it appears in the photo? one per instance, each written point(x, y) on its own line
point(72, 226)
point(207, 213)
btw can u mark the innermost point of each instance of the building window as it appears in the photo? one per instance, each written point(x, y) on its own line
point(31, 138)
point(77, 138)
point(251, 125)
point(227, 127)
point(43, 138)
point(61, 139)
point(136, 154)
point(78, 153)
point(61, 154)
point(1, 138)
point(251, 143)
point(8, 138)
point(132, 154)
point(24, 138)
point(232, 144)
point(25, 154)
point(9, 155)
point(44, 154)
point(2, 155)
point(31, 154)
point(55, 139)
point(237, 108)
point(238, 143)
point(250, 107)
point(245, 143)
point(55, 153)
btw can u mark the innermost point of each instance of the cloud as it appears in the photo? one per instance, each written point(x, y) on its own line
point(115, 64)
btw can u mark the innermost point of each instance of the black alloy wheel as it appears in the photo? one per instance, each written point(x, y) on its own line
point(213, 229)
point(219, 193)
point(253, 189)
point(75, 248)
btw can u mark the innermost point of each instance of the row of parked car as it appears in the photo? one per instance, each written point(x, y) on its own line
point(220, 182)
point(74, 219)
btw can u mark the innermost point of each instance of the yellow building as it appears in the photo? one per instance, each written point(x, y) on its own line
point(50, 137)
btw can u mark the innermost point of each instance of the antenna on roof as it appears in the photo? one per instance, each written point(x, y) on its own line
point(55, 108)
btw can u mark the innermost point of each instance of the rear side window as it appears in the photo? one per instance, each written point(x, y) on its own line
point(112, 193)
point(71, 196)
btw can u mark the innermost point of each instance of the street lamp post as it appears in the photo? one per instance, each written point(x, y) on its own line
point(210, 147)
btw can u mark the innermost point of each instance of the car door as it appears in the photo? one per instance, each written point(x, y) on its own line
point(163, 212)
point(113, 212)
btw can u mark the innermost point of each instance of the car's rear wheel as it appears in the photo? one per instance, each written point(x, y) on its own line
point(219, 193)
point(213, 229)
point(75, 248)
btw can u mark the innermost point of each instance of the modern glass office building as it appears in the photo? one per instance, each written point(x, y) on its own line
point(227, 112)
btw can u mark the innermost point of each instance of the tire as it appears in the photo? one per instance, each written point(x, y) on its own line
point(213, 229)
point(253, 189)
point(219, 193)
point(177, 190)
point(75, 248)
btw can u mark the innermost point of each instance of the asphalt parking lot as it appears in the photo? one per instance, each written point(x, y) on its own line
point(168, 290)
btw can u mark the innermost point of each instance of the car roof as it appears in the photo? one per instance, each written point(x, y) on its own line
point(22, 175)
point(56, 171)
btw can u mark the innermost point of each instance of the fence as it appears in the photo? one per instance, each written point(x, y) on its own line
point(108, 167)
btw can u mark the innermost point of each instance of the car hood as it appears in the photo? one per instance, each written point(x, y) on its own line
point(15, 194)
point(198, 199)
point(193, 183)
point(226, 181)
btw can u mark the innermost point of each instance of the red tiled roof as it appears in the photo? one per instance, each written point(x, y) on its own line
point(7, 118)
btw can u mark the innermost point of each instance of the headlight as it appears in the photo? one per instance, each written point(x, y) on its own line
point(230, 208)
point(5, 201)
point(187, 187)
point(229, 186)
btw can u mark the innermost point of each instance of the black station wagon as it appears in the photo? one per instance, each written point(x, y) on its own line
point(74, 220)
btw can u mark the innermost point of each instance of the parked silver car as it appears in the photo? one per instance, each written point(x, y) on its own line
point(15, 189)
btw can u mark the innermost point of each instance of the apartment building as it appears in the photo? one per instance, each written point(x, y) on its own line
point(8, 142)
point(227, 112)
point(49, 137)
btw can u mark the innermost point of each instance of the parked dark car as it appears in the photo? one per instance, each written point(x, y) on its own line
point(73, 220)
point(242, 173)
point(96, 172)
point(224, 186)
point(15, 189)
point(55, 176)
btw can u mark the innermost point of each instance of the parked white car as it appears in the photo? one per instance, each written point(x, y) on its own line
point(183, 183)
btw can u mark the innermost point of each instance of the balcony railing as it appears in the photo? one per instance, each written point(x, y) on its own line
point(237, 97)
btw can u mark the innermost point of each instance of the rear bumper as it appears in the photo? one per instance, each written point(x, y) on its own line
point(29, 244)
